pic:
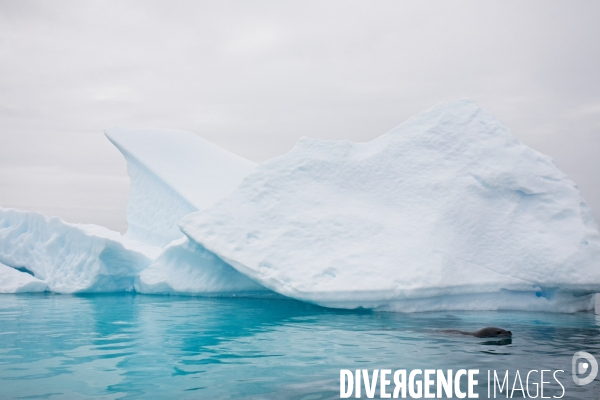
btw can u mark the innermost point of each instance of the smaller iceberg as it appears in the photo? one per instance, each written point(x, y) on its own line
point(15, 281)
point(68, 258)
point(185, 267)
point(173, 173)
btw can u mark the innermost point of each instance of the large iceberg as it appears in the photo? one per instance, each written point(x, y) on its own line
point(66, 258)
point(447, 211)
point(173, 173)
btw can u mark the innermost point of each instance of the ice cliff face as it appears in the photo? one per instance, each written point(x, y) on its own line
point(66, 258)
point(173, 173)
point(447, 211)
point(187, 268)
point(15, 281)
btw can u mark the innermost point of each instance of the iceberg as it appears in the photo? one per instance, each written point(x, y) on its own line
point(15, 281)
point(173, 173)
point(66, 258)
point(447, 211)
point(185, 267)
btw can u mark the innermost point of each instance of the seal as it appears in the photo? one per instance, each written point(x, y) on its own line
point(483, 333)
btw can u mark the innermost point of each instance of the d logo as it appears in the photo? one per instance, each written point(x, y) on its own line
point(584, 366)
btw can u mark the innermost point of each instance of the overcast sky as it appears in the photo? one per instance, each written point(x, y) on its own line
point(254, 76)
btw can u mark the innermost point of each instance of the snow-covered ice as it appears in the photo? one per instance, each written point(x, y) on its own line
point(14, 281)
point(68, 258)
point(173, 173)
point(447, 211)
point(187, 268)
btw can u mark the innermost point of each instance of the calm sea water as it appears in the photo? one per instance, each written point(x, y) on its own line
point(136, 346)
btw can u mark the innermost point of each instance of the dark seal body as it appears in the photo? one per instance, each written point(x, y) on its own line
point(483, 333)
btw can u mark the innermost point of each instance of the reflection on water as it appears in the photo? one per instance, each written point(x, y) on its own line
point(497, 342)
point(128, 346)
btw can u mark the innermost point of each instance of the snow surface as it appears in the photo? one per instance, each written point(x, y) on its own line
point(447, 211)
point(173, 173)
point(187, 268)
point(13, 281)
point(67, 258)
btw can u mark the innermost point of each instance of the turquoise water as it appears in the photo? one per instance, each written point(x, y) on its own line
point(135, 346)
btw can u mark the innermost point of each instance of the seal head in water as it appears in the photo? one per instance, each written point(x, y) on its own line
point(492, 332)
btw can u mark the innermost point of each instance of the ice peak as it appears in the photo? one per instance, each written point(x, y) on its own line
point(173, 173)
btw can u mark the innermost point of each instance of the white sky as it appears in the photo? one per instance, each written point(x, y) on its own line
point(255, 76)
